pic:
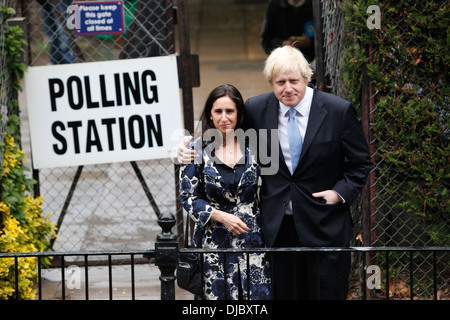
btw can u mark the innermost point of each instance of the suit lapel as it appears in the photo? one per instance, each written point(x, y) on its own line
point(271, 112)
point(316, 116)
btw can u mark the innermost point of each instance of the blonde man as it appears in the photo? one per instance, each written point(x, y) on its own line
point(306, 203)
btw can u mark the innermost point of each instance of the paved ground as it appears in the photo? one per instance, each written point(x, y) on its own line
point(147, 284)
point(225, 35)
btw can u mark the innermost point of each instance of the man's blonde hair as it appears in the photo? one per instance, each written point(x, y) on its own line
point(286, 58)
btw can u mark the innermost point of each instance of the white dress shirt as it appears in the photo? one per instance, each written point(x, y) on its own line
point(302, 117)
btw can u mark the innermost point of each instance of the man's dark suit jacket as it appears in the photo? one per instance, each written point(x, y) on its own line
point(335, 155)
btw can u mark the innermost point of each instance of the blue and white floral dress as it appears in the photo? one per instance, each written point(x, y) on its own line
point(205, 186)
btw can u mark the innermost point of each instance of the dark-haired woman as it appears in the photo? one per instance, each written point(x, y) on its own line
point(219, 192)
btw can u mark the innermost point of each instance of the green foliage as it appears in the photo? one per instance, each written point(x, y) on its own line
point(13, 49)
point(24, 228)
point(407, 61)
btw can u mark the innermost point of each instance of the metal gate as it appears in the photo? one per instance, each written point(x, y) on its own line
point(108, 206)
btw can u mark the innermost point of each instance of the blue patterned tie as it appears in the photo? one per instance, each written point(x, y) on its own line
point(295, 138)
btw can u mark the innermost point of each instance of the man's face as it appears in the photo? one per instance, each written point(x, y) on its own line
point(289, 87)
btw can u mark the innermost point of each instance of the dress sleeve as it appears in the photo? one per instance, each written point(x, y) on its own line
point(192, 194)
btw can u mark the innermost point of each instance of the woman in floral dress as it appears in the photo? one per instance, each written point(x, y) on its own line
point(219, 192)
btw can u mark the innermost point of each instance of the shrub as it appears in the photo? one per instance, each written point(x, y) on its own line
point(23, 227)
point(408, 68)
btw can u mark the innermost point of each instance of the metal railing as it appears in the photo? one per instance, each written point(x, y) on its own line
point(379, 276)
point(376, 275)
point(65, 265)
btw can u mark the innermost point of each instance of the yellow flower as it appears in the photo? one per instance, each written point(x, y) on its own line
point(31, 234)
point(12, 156)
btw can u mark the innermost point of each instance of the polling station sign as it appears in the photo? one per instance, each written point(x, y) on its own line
point(103, 112)
point(98, 17)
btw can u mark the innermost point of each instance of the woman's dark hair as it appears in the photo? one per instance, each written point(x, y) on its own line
point(221, 91)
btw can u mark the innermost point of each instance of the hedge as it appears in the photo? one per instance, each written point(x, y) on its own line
point(408, 68)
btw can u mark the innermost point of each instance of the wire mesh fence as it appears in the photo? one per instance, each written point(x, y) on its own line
point(415, 102)
point(402, 98)
point(334, 37)
point(7, 93)
point(148, 32)
point(107, 206)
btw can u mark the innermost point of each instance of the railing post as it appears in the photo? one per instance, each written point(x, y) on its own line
point(166, 255)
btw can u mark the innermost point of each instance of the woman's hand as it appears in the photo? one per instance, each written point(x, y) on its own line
point(233, 223)
point(184, 154)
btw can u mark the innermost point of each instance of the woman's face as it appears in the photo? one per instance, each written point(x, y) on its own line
point(224, 114)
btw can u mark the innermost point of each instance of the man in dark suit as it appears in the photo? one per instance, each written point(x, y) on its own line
point(306, 202)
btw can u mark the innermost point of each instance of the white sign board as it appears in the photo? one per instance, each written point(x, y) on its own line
point(103, 112)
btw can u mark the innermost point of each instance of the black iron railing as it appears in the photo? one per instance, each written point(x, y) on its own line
point(374, 265)
point(59, 261)
point(379, 258)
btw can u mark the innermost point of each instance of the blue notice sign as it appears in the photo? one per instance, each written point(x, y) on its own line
point(99, 17)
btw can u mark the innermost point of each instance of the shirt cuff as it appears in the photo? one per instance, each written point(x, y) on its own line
point(342, 199)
